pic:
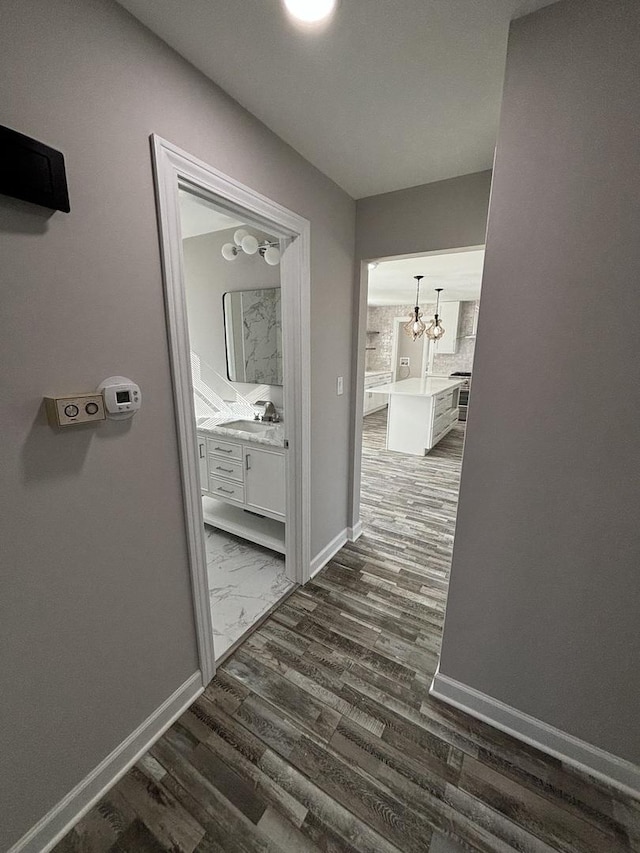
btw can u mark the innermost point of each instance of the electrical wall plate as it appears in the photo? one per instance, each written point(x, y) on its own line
point(75, 409)
point(405, 361)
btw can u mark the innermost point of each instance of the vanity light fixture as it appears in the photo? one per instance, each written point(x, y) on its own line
point(416, 325)
point(435, 329)
point(245, 243)
point(310, 11)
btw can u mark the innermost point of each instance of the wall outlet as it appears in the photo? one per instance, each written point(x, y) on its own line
point(405, 361)
point(340, 386)
point(77, 409)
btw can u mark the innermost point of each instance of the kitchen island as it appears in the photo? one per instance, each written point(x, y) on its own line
point(421, 412)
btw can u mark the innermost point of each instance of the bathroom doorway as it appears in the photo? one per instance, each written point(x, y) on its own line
point(236, 274)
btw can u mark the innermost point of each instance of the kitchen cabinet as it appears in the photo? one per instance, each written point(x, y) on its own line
point(450, 317)
point(373, 402)
point(421, 413)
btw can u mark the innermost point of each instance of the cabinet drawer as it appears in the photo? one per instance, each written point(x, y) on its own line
point(444, 403)
point(441, 420)
point(219, 467)
point(225, 449)
point(226, 490)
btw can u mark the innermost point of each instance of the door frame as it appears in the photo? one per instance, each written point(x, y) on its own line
point(358, 363)
point(174, 168)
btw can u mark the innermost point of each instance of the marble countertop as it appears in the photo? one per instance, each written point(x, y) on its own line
point(425, 386)
point(273, 436)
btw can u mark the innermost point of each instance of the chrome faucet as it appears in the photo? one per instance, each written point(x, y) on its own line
point(269, 414)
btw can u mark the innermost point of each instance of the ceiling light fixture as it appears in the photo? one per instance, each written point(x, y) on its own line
point(245, 243)
point(435, 329)
point(416, 326)
point(310, 11)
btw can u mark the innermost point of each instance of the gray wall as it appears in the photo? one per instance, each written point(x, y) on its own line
point(96, 615)
point(444, 215)
point(543, 604)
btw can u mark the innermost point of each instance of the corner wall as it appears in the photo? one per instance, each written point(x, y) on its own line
point(543, 604)
point(96, 622)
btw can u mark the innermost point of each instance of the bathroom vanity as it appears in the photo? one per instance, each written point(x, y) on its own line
point(421, 412)
point(243, 480)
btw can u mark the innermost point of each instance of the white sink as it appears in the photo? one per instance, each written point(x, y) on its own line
point(248, 426)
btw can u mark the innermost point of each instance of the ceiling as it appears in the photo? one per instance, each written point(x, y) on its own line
point(390, 94)
point(458, 273)
point(199, 216)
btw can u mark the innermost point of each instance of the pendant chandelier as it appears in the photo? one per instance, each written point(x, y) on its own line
point(416, 325)
point(435, 329)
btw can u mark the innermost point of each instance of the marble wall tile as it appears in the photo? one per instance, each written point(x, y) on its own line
point(380, 319)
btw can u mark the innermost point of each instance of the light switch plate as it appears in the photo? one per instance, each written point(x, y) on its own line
point(75, 409)
point(340, 386)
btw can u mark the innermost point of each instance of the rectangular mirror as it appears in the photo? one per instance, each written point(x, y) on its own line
point(253, 335)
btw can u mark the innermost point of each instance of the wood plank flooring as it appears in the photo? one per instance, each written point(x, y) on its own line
point(319, 736)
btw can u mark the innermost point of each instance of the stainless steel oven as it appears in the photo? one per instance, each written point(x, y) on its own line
point(463, 402)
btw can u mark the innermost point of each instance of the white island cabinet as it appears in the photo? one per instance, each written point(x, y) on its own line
point(421, 413)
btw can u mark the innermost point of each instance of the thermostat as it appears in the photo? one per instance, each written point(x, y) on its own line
point(122, 397)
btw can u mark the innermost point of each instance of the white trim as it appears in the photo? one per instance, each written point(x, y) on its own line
point(355, 532)
point(587, 758)
point(172, 168)
point(56, 823)
point(329, 551)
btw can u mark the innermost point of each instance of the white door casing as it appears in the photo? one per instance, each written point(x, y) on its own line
point(174, 168)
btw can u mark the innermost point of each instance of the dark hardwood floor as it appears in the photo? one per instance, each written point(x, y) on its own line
point(319, 734)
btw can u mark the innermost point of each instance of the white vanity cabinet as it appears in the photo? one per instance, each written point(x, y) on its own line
point(244, 490)
point(264, 481)
point(202, 462)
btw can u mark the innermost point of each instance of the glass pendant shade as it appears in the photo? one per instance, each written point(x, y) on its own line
point(229, 252)
point(272, 256)
point(249, 244)
point(239, 236)
point(435, 330)
point(416, 325)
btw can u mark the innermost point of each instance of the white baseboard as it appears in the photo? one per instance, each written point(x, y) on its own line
point(354, 532)
point(590, 759)
point(55, 824)
point(329, 551)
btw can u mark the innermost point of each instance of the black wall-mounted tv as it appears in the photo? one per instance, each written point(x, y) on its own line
point(32, 171)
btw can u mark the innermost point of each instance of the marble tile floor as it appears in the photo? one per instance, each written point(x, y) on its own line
point(245, 581)
point(318, 734)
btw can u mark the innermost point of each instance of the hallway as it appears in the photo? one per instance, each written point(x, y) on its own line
point(318, 734)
